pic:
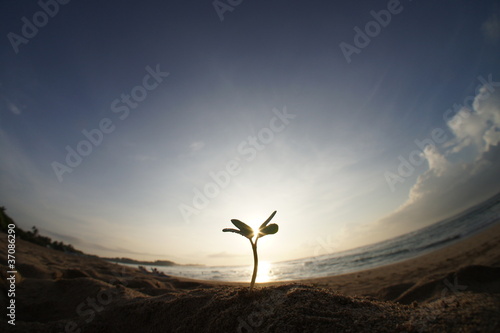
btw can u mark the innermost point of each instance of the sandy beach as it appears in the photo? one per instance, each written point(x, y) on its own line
point(454, 289)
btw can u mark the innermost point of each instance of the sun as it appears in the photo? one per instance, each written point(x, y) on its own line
point(265, 272)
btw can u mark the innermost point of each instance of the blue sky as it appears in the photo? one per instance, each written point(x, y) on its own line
point(265, 101)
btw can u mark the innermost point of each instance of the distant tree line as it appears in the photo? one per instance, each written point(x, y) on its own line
point(33, 236)
point(140, 262)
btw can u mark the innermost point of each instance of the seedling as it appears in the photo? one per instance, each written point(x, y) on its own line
point(246, 231)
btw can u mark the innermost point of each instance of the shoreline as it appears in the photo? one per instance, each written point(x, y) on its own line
point(443, 256)
point(437, 263)
point(458, 240)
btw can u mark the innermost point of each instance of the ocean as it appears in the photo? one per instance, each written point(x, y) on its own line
point(394, 250)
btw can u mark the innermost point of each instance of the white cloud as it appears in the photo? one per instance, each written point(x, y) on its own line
point(447, 187)
point(197, 145)
point(491, 29)
point(224, 255)
point(467, 128)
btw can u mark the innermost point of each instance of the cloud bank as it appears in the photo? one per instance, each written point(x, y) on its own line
point(462, 172)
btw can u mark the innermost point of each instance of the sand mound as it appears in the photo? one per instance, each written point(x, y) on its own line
point(48, 300)
point(286, 308)
point(393, 292)
point(474, 278)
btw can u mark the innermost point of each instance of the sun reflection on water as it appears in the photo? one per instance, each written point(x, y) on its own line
point(265, 272)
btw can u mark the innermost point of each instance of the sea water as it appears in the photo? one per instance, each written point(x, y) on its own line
point(397, 249)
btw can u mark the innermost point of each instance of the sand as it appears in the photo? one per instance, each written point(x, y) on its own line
point(455, 289)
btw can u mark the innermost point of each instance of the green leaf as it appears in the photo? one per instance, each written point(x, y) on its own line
point(245, 229)
point(263, 225)
point(236, 231)
point(269, 230)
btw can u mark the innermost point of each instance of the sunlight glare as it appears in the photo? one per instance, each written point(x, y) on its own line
point(265, 272)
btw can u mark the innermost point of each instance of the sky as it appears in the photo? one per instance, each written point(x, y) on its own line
point(141, 128)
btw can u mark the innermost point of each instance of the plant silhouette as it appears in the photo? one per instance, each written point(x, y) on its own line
point(246, 231)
